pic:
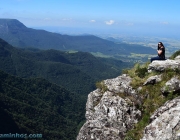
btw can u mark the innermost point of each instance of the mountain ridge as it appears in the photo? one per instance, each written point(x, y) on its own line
point(60, 67)
point(28, 37)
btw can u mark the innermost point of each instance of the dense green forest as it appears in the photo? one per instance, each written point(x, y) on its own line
point(45, 91)
point(78, 72)
point(36, 106)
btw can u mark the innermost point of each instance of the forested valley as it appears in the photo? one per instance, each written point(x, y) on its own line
point(45, 91)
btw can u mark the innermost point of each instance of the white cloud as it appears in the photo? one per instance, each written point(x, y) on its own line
point(21, 0)
point(47, 19)
point(165, 23)
point(130, 24)
point(110, 22)
point(67, 19)
point(92, 20)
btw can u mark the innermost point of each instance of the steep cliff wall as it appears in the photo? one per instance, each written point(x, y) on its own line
point(109, 116)
point(140, 104)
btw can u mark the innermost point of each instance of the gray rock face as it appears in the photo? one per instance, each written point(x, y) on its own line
point(173, 85)
point(165, 123)
point(162, 65)
point(153, 80)
point(177, 58)
point(119, 84)
point(108, 116)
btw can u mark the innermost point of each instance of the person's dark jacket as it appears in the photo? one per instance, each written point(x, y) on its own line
point(162, 55)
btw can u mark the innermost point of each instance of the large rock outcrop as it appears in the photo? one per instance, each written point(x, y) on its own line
point(108, 116)
point(111, 112)
point(165, 122)
point(162, 65)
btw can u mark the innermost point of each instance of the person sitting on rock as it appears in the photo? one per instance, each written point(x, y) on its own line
point(160, 51)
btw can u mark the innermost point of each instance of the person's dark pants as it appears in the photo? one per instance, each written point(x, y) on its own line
point(156, 58)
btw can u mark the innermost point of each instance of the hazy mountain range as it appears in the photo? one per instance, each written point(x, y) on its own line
point(17, 34)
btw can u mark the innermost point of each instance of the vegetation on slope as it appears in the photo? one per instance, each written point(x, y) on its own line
point(152, 97)
point(76, 71)
point(175, 54)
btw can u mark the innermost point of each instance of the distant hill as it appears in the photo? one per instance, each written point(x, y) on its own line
point(77, 72)
point(36, 106)
point(18, 35)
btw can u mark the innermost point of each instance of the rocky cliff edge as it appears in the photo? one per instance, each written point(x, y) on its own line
point(143, 103)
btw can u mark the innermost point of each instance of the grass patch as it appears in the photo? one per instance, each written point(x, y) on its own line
point(175, 54)
point(101, 86)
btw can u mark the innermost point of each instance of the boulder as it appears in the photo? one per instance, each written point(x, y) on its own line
point(120, 84)
point(177, 57)
point(153, 80)
point(173, 85)
point(165, 122)
point(160, 66)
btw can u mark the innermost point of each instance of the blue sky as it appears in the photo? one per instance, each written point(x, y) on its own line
point(108, 16)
